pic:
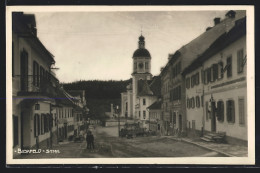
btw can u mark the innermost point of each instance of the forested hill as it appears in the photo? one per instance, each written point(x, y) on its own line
point(97, 89)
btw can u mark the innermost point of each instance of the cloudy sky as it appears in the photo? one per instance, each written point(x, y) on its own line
point(100, 45)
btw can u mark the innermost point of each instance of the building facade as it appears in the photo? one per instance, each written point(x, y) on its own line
point(34, 86)
point(222, 69)
point(174, 84)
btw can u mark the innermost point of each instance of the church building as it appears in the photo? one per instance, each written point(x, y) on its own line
point(144, 88)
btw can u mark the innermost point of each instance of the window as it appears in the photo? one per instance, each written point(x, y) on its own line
point(240, 55)
point(211, 74)
point(202, 101)
point(202, 76)
point(146, 65)
point(24, 70)
point(231, 111)
point(34, 73)
point(241, 104)
point(144, 114)
point(15, 130)
point(135, 65)
point(197, 101)
point(207, 110)
point(144, 102)
point(215, 72)
point(220, 70)
point(36, 125)
point(220, 111)
point(188, 105)
point(197, 79)
point(42, 123)
point(193, 102)
point(229, 66)
point(192, 81)
point(188, 83)
point(206, 76)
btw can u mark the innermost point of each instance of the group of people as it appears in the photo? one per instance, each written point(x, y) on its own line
point(90, 140)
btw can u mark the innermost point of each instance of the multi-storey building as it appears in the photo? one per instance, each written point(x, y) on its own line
point(173, 82)
point(34, 86)
point(223, 84)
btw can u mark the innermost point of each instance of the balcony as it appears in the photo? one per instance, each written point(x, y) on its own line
point(41, 86)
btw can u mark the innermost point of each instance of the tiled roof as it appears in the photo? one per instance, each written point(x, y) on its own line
point(155, 105)
point(196, 47)
point(156, 85)
point(145, 89)
point(220, 43)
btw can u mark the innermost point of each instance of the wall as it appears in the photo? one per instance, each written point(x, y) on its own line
point(196, 113)
point(228, 91)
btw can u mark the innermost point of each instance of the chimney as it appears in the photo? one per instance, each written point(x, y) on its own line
point(216, 20)
point(208, 28)
point(230, 14)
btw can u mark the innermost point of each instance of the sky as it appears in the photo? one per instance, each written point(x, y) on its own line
point(100, 45)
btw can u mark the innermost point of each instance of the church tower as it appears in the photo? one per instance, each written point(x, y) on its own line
point(141, 68)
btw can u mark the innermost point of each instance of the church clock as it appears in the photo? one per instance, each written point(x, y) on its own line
point(141, 65)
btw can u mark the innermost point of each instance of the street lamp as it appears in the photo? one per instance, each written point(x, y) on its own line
point(117, 111)
point(149, 116)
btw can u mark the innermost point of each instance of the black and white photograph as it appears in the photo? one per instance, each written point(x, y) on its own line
point(130, 84)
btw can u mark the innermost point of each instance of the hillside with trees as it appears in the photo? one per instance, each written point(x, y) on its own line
point(100, 94)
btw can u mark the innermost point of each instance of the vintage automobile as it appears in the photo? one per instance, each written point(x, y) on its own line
point(133, 130)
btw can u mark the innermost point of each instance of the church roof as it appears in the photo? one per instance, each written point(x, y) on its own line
point(141, 52)
point(150, 87)
point(145, 90)
point(156, 85)
point(155, 105)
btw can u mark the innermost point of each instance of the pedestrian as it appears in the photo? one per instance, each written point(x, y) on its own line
point(91, 136)
point(88, 139)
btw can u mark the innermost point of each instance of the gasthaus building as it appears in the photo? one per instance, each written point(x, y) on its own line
point(223, 86)
point(173, 84)
point(34, 86)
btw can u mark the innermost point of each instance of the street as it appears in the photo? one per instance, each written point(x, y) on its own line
point(109, 145)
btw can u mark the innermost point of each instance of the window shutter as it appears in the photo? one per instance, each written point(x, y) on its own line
point(215, 71)
point(35, 126)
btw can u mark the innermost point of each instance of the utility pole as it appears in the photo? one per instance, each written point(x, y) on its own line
point(117, 111)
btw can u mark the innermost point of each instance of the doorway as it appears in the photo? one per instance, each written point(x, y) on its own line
point(213, 117)
point(180, 122)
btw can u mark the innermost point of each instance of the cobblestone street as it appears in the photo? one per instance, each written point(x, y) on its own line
point(108, 145)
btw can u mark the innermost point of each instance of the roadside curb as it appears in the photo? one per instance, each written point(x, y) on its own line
point(194, 143)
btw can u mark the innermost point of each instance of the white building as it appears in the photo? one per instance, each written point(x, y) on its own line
point(221, 86)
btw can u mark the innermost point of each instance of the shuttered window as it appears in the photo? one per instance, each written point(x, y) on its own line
point(36, 125)
point(220, 70)
point(241, 104)
point(215, 72)
point(206, 110)
point(240, 55)
point(229, 66)
point(42, 124)
point(220, 111)
point(230, 111)
point(197, 101)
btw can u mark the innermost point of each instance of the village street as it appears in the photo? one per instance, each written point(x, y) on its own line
point(109, 145)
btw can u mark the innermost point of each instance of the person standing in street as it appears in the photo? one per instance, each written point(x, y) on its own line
point(91, 136)
point(88, 139)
